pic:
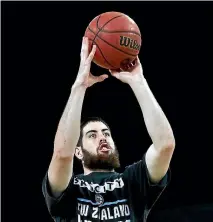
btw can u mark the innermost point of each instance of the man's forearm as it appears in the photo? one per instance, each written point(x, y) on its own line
point(156, 122)
point(69, 125)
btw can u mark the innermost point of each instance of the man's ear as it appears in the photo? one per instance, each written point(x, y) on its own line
point(78, 153)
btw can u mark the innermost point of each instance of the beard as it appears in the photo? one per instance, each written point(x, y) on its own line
point(101, 161)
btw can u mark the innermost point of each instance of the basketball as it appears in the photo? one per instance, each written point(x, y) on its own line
point(117, 39)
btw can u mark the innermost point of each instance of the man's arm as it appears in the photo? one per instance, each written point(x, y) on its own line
point(159, 154)
point(67, 135)
point(61, 166)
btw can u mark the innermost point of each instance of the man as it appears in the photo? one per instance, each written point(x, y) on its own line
point(101, 194)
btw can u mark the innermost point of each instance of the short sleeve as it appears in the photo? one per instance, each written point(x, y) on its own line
point(142, 192)
point(62, 206)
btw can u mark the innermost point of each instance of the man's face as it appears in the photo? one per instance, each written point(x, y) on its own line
point(98, 148)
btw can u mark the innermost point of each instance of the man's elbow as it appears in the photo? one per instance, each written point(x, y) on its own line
point(168, 146)
point(169, 140)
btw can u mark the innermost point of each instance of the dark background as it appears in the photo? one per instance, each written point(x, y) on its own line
point(40, 58)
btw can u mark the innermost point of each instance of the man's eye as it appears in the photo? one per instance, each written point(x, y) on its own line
point(107, 134)
point(92, 135)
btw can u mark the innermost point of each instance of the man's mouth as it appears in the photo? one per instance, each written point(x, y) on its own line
point(104, 147)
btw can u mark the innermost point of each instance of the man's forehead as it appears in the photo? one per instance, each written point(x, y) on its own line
point(94, 126)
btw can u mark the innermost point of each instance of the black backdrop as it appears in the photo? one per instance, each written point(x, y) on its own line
point(40, 57)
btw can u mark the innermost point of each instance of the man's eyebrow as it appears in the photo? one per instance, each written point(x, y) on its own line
point(105, 130)
point(95, 131)
point(91, 131)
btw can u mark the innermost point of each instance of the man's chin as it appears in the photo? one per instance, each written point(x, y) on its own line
point(102, 160)
point(104, 154)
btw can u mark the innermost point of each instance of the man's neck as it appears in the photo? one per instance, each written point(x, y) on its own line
point(88, 171)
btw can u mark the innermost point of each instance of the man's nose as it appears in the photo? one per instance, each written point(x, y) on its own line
point(102, 139)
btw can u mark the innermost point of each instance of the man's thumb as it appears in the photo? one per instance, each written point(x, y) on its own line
point(102, 77)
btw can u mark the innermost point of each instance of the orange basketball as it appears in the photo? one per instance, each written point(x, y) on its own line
point(117, 39)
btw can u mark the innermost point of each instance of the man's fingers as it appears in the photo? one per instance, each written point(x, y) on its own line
point(96, 79)
point(112, 71)
point(115, 73)
point(91, 55)
point(84, 48)
point(102, 78)
point(136, 61)
point(82, 44)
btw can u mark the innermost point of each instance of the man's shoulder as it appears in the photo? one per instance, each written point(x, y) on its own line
point(135, 164)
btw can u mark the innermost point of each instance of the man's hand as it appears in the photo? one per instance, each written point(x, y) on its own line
point(84, 77)
point(133, 73)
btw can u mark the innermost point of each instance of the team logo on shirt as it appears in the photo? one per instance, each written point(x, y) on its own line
point(99, 199)
point(107, 186)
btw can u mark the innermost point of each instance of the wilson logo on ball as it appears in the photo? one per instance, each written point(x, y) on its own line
point(129, 43)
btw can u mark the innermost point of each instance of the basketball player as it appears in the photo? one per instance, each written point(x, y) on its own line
point(100, 193)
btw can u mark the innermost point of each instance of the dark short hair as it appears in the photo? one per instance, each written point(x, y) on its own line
point(85, 122)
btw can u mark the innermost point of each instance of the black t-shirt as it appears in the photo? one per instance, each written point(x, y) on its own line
point(106, 196)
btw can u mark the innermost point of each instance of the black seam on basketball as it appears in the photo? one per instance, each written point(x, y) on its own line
point(111, 44)
point(102, 30)
point(97, 22)
point(99, 29)
point(94, 32)
point(103, 55)
point(131, 32)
